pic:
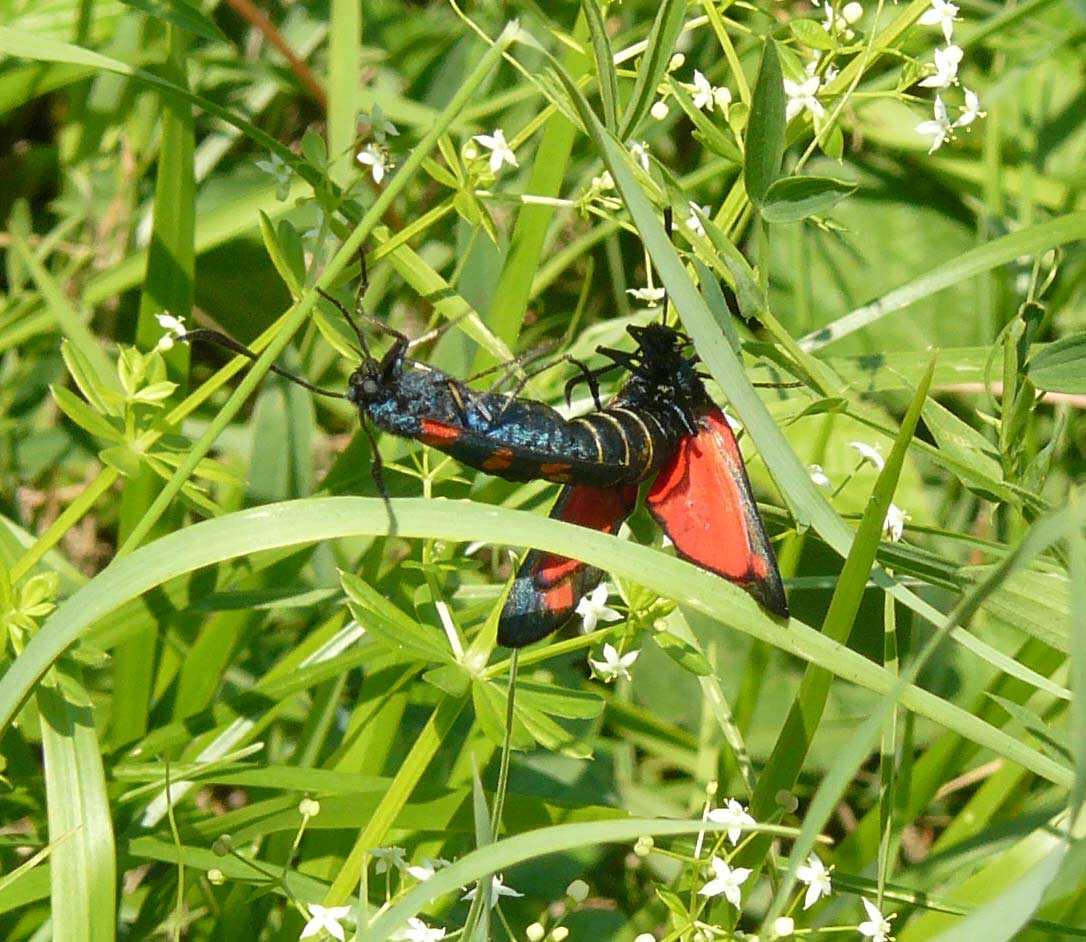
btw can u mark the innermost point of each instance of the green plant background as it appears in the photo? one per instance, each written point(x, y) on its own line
point(233, 618)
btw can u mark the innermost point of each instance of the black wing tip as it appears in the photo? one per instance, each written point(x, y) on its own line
point(525, 618)
point(519, 629)
point(770, 595)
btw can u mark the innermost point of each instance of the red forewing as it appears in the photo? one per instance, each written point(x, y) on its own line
point(703, 501)
point(548, 586)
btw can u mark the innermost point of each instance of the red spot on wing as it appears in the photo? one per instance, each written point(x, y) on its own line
point(501, 459)
point(561, 597)
point(548, 585)
point(597, 508)
point(437, 434)
point(703, 501)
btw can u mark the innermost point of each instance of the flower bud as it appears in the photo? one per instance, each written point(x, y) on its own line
point(577, 891)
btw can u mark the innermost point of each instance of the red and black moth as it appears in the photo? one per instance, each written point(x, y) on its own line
point(662, 423)
point(701, 495)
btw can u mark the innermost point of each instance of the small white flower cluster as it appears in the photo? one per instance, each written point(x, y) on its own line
point(877, 926)
point(704, 95)
point(498, 889)
point(593, 609)
point(802, 97)
point(893, 527)
point(947, 60)
point(175, 330)
point(376, 155)
point(377, 159)
point(650, 295)
point(838, 22)
point(326, 922)
point(727, 881)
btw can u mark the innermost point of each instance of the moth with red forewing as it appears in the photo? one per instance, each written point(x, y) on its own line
point(662, 423)
point(701, 495)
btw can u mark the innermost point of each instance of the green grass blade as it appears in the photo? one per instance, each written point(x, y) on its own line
point(83, 866)
point(306, 521)
point(661, 42)
point(1033, 240)
point(1042, 535)
point(605, 63)
point(502, 854)
point(549, 170)
point(168, 286)
point(345, 256)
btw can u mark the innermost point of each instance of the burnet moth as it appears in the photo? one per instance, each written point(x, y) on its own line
point(661, 422)
point(503, 434)
point(701, 496)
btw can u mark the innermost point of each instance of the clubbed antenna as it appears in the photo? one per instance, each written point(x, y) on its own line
point(668, 227)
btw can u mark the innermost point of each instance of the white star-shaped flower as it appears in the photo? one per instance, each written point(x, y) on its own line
point(389, 857)
point(818, 476)
point(500, 151)
point(702, 92)
point(830, 20)
point(497, 889)
point(894, 524)
point(801, 96)
point(877, 926)
point(971, 111)
point(735, 816)
point(938, 127)
point(817, 878)
point(870, 454)
point(613, 664)
point(726, 881)
point(325, 919)
point(175, 330)
point(942, 14)
point(427, 868)
point(418, 931)
point(593, 609)
point(377, 159)
point(947, 61)
point(649, 296)
point(707, 96)
point(693, 222)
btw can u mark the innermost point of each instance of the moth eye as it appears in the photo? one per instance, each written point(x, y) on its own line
point(369, 387)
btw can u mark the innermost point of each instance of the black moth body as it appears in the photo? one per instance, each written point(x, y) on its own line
point(661, 423)
point(520, 439)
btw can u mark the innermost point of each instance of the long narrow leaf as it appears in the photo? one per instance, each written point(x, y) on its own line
point(661, 42)
point(307, 521)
